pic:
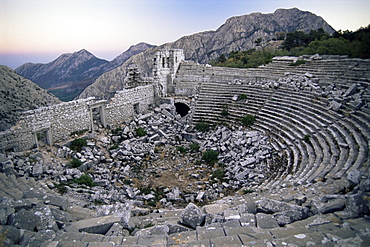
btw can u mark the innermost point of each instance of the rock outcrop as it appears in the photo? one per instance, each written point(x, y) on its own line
point(238, 33)
point(17, 94)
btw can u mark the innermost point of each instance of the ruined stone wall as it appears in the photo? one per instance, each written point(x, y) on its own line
point(57, 122)
point(128, 103)
point(190, 76)
point(165, 65)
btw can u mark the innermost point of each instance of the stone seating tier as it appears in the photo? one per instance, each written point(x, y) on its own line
point(337, 144)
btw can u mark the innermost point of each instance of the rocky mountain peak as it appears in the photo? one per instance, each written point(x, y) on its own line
point(133, 50)
point(236, 34)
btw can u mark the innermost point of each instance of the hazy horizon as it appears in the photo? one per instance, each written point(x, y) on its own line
point(39, 31)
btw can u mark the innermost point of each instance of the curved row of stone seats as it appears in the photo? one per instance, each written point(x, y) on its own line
point(336, 146)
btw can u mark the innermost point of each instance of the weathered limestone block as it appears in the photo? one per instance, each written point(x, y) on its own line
point(266, 221)
point(270, 206)
point(192, 216)
point(288, 216)
point(215, 208)
point(24, 220)
point(6, 164)
point(98, 225)
point(325, 205)
point(11, 234)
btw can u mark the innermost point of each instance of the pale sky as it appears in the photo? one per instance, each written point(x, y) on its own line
point(41, 30)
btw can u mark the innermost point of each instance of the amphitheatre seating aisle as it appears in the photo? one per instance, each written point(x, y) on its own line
point(318, 143)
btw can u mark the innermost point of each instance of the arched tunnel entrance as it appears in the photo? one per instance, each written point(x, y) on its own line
point(182, 109)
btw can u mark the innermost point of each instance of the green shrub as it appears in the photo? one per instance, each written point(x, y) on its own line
point(75, 163)
point(62, 189)
point(306, 138)
point(224, 113)
point(181, 149)
point(202, 127)
point(297, 63)
point(140, 132)
point(194, 147)
point(115, 146)
point(127, 181)
point(78, 144)
point(145, 190)
point(248, 120)
point(116, 130)
point(98, 202)
point(85, 179)
point(242, 96)
point(210, 157)
point(78, 132)
point(219, 175)
point(248, 191)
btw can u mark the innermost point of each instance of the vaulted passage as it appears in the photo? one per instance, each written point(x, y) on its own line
point(182, 109)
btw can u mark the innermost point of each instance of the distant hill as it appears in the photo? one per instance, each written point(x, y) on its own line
point(237, 34)
point(18, 94)
point(71, 73)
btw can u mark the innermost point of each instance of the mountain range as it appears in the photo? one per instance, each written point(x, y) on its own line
point(84, 74)
point(71, 73)
point(236, 34)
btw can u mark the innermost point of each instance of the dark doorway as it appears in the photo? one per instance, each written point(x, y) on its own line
point(182, 109)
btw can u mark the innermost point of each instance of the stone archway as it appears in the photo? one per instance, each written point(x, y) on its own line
point(182, 109)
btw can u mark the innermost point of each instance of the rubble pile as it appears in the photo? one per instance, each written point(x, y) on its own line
point(156, 167)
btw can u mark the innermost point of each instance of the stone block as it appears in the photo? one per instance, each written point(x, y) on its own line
point(101, 244)
point(238, 230)
point(129, 240)
point(215, 208)
point(229, 241)
point(40, 237)
point(231, 214)
point(174, 228)
point(247, 220)
point(314, 238)
point(288, 216)
point(5, 164)
point(231, 223)
point(152, 240)
point(10, 235)
point(248, 207)
point(92, 238)
point(192, 216)
point(71, 243)
point(69, 236)
point(98, 225)
point(182, 238)
point(60, 202)
point(325, 205)
point(270, 206)
point(117, 230)
point(256, 239)
point(266, 221)
point(24, 220)
point(209, 232)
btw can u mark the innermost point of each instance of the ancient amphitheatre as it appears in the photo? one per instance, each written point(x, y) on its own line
point(313, 118)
